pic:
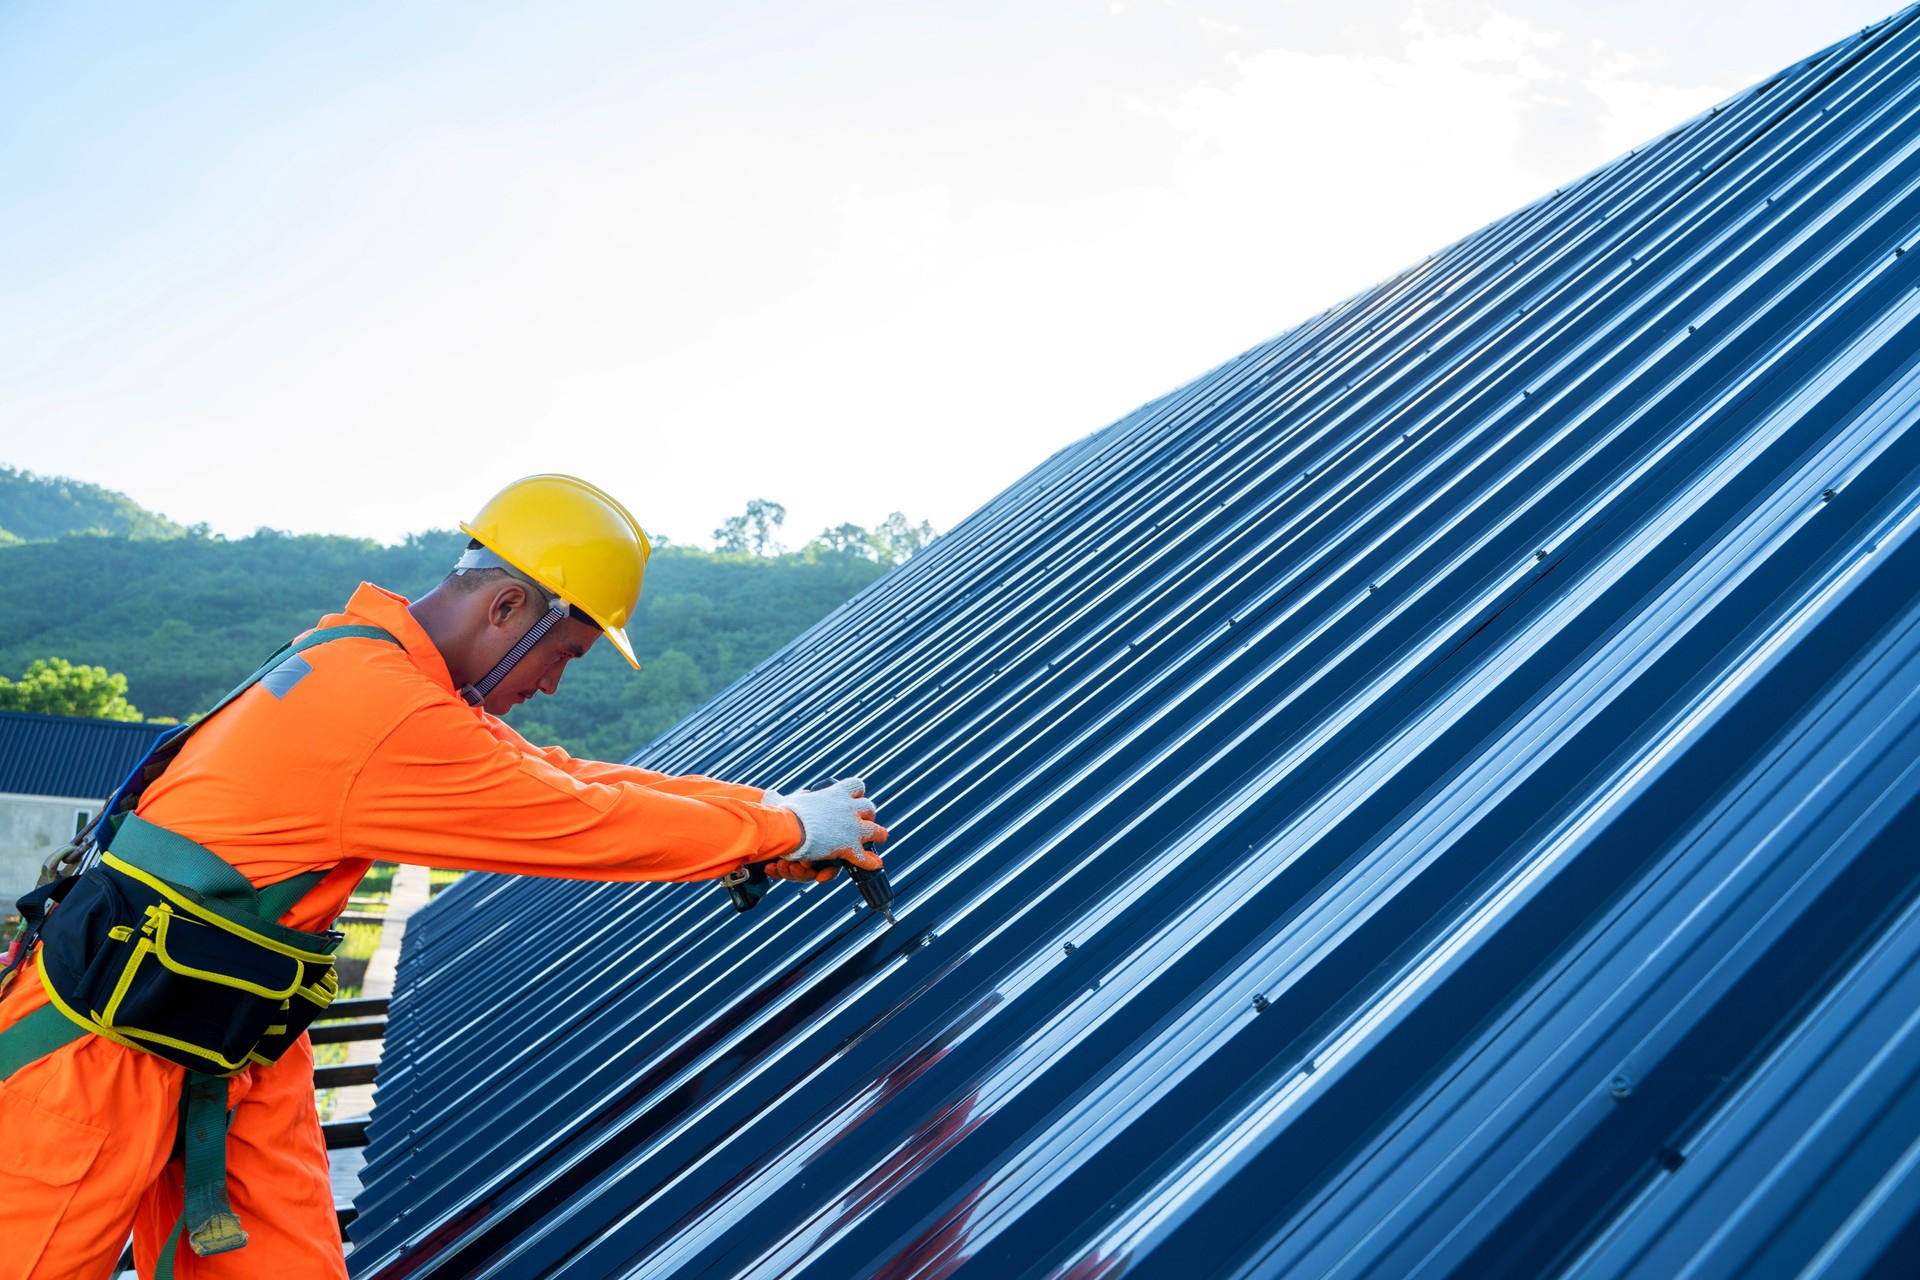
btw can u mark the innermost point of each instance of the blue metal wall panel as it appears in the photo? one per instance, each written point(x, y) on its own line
point(1436, 795)
point(68, 755)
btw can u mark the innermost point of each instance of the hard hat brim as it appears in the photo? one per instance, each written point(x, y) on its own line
point(617, 637)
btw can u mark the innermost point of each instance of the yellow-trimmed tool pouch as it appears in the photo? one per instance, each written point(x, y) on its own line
point(165, 947)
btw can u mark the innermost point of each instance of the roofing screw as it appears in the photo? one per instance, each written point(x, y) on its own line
point(1068, 948)
point(1259, 1004)
point(1669, 1159)
point(1826, 495)
point(928, 940)
point(1621, 1088)
point(1540, 554)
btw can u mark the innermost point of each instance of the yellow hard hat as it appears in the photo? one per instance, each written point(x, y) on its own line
point(574, 540)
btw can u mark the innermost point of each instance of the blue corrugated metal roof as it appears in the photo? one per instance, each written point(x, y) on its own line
point(1434, 796)
point(69, 756)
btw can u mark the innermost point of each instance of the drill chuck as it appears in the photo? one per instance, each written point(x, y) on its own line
point(875, 888)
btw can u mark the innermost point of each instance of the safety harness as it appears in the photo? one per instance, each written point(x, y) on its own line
point(161, 945)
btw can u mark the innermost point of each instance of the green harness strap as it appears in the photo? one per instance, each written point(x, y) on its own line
point(207, 1214)
point(34, 1037)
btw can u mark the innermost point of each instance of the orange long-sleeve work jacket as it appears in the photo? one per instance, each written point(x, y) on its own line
point(359, 750)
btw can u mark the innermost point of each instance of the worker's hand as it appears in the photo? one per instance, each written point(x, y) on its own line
point(836, 822)
point(782, 869)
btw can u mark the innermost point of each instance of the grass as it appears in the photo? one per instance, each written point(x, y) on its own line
point(377, 883)
point(362, 941)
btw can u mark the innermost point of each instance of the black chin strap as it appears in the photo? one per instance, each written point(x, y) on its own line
point(476, 693)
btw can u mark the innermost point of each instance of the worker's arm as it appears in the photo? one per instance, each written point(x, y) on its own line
point(442, 789)
point(601, 771)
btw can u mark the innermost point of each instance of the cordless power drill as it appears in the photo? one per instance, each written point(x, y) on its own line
point(750, 884)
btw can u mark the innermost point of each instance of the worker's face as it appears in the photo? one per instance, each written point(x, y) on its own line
point(540, 670)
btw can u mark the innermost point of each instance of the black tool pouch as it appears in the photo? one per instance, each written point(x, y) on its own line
point(149, 965)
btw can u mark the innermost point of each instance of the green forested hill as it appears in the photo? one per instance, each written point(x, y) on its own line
point(33, 506)
point(90, 576)
point(185, 618)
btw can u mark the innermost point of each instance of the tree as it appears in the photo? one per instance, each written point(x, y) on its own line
point(896, 539)
point(55, 687)
point(752, 533)
point(844, 539)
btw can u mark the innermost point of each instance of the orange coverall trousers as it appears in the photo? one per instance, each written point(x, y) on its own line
point(85, 1138)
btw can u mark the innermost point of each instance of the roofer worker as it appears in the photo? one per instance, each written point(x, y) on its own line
point(171, 982)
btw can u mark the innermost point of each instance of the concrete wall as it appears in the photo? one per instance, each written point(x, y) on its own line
point(31, 827)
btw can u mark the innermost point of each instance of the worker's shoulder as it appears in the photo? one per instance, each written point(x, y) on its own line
point(366, 667)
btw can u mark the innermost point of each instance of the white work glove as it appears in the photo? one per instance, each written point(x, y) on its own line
point(835, 822)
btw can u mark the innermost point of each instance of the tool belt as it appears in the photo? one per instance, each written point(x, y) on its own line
point(164, 947)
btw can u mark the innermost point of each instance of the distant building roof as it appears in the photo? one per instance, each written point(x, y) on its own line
point(69, 755)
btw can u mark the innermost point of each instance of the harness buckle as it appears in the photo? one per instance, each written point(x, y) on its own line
point(220, 1233)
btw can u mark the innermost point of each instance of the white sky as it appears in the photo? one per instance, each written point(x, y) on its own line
point(348, 268)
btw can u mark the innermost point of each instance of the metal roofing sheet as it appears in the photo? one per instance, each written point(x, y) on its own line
point(1435, 795)
point(68, 755)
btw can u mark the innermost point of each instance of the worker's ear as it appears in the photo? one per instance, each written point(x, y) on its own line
point(507, 600)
